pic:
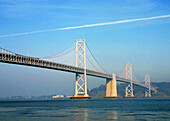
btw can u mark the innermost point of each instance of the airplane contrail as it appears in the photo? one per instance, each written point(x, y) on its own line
point(89, 25)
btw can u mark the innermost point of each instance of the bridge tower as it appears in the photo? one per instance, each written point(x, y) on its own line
point(147, 84)
point(129, 88)
point(81, 80)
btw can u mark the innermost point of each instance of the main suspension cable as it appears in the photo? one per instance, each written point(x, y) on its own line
point(122, 70)
point(92, 64)
point(57, 54)
point(95, 59)
point(49, 57)
point(10, 51)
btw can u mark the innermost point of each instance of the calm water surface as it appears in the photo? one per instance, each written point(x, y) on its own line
point(123, 109)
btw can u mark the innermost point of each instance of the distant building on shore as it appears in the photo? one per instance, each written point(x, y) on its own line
point(58, 96)
point(68, 96)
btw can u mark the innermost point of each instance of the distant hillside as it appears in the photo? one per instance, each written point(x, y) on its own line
point(163, 90)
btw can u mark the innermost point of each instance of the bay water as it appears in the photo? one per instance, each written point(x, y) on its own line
point(121, 109)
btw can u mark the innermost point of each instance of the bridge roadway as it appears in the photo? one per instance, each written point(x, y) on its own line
point(36, 62)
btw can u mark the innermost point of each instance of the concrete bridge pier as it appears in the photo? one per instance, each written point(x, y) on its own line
point(111, 87)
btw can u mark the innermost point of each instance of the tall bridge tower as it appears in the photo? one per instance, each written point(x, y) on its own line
point(81, 80)
point(129, 88)
point(147, 84)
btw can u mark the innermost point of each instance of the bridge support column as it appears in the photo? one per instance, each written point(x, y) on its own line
point(129, 91)
point(81, 80)
point(111, 87)
point(129, 88)
point(147, 83)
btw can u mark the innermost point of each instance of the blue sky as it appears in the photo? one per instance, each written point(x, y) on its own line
point(145, 44)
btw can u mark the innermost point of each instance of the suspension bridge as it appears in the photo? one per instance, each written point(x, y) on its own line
point(81, 71)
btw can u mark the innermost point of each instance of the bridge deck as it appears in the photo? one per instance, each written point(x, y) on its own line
point(36, 62)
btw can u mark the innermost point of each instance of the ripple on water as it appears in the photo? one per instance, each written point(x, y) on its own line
point(85, 110)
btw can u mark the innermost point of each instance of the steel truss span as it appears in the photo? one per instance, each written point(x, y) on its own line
point(36, 62)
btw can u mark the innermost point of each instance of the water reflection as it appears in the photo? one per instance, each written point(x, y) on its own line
point(86, 114)
point(112, 115)
point(80, 114)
